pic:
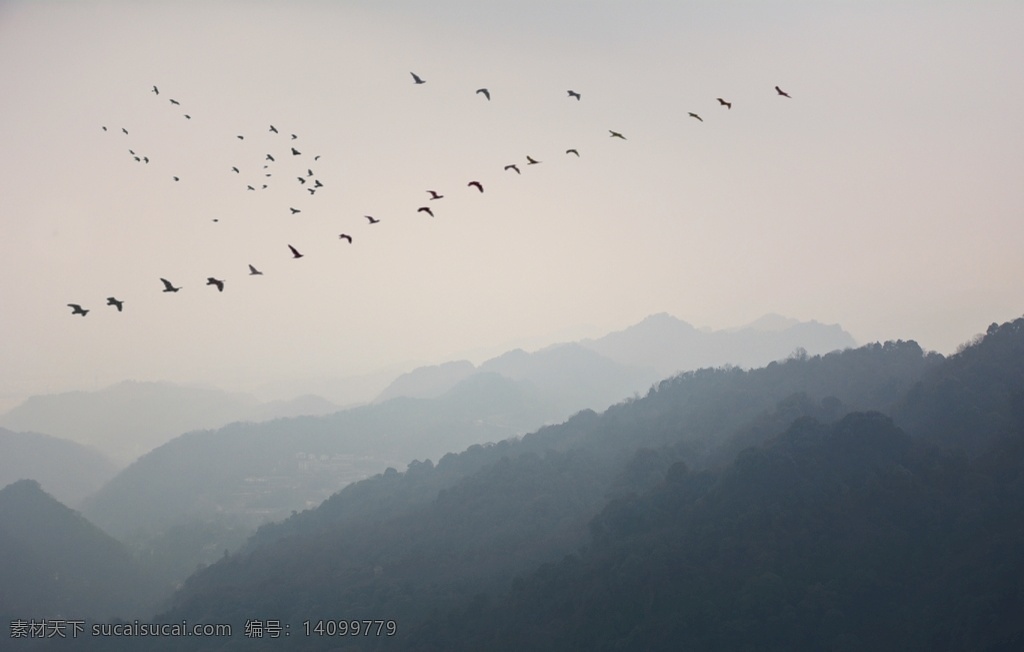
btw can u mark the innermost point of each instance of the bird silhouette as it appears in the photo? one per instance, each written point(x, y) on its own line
point(188, 117)
point(294, 210)
point(317, 184)
point(371, 218)
point(269, 157)
point(301, 180)
point(145, 159)
point(727, 105)
point(213, 281)
point(104, 128)
point(168, 287)
point(312, 191)
point(173, 101)
point(573, 94)
point(782, 92)
point(434, 195)
point(250, 188)
point(483, 91)
point(234, 169)
point(240, 137)
point(694, 115)
point(531, 161)
point(156, 90)
point(345, 236)
point(309, 172)
point(254, 272)
point(615, 134)
point(112, 301)
point(572, 151)
point(295, 252)
point(177, 178)
point(425, 209)
point(77, 309)
point(273, 129)
point(513, 166)
point(416, 78)
point(124, 130)
point(295, 152)
point(294, 136)
point(476, 184)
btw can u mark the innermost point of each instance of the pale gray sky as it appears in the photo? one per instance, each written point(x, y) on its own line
point(885, 196)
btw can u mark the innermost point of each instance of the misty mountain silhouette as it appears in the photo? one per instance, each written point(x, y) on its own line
point(66, 470)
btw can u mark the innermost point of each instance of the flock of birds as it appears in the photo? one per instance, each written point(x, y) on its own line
point(312, 184)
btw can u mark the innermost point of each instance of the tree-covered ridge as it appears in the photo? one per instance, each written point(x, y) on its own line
point(423, 542)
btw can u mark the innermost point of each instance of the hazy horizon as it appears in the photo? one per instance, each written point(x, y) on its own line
point(883, 195)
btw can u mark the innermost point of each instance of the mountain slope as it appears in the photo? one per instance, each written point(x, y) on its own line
point(66, 470)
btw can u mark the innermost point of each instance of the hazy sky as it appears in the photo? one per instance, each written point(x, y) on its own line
point(887, 195)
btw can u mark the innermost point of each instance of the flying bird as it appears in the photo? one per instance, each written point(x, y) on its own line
point(295, 252)
point(317, 184)
point(425, 209)
point(176, 178)
point(112, 301)
point(615, 134)
point(125, 131)
point(188, 117)
point(345, 236)
point(309, 172)
point(294, 136)
point(694, 115)
point(372, 219)
point(483, 91)
point(434, 195)
point(513, 166)
point(301, 180)
point(295, 152)
point(168, 287)
point(269, 157)
point(254, 272)
point(213, 281)
point(240, 137)
point(727, 105)
point(145, 159)
point(573, 94)
point(312, 191)
point(572, 150)
point(476, 184)
point(530, 161)
point(77, 309)
point(416, 78)
point(156, 90)
point(782, 92)
point(173, 101)
point(273, 129)
point(104, 128)
point(250, 188)
point(234, 169)
point(294, 210)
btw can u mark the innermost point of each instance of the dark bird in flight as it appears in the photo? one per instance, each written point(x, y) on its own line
point(240, 137)
point(312, 191)
point(295, 152)
point(309, 172)
point(137, 159)
point(273, 129)
point(145, 159)
point(294, 210)
point(125, 131)
point(173, 101)
point(213, 281)
point(513, 166)
point(156, 90)
point(295, 252)
point(694, 115)
point(249, 188)
point(269, 157)
point(416, 78)
point(782, 92)
point(727, 105)
point(573, 94)
point(316, 158)
point(530, 161)
point(425, 209)
point(176, 178)
point(112, 301)
point(317, 184)
point(483, 91)
point(104, 128)
point(372, 219)
point(572, 151)
point(615, 134)
point(476, 184)
point(294, 136)
point(168, 287)
point(434, 195)
point(188, 117)
point(345, 236)
point(77, 309)
point(301, 180)
point(254, 272)
point(234, 169)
